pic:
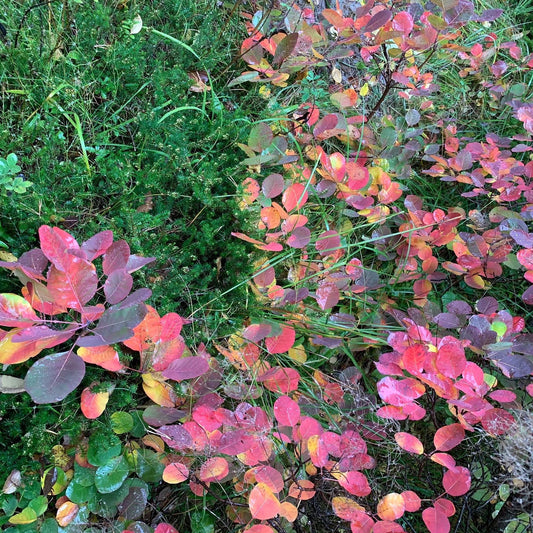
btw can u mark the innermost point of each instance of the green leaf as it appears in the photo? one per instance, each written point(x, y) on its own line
point(148, 466)
point(121, 422)
point(202, 522)
point(79, 494)
point(102, 448)
point(111, 476)
point(49, 526)
point(139, 427)
point(83, 476)
point(39, 505)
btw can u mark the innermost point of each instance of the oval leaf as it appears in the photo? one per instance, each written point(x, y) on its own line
point(263, 503)
point(186, 368)
point(53, 377)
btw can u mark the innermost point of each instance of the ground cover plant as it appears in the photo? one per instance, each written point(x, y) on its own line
point(381, 381)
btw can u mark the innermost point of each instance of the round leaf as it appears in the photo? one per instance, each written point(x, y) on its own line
point(110, 477)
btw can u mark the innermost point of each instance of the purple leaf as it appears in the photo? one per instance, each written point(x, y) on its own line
point(459, 307)
point(34, 260)
point(137, 261)
point(489, 15)
point(235, 442)
point(157, 416)
point(285, 48)
point(293, 296)
point(53, 377)
point(299, 237)
point(378, 20)
point(527, 297)
point(116, 257)
point(412, 117)
point(176, 436)
point(97, 244)
point(116, 325)
point(135, 298)
point(487, 305)
point(447, 320)
point(186, 368)
point(43, 333)
point(273, 185)
point(117, 286)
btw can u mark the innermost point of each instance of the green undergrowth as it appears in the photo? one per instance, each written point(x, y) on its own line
point(105, 126)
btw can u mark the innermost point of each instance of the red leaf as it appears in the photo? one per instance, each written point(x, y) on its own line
point(303, 489)
point(355, 483)
point(456, 481)
point(263, 503)
point(286, 411)
point(448, 437)
point(435, 520)
point(294, 196)
point(444, 459)
point(402, 21)
point(93, 404)
point(270, 477)
point(327, 295)
point(497, 421)
point(409, 443)
point(54, 243)
point(165, 528)
point(283, 342)
point(280, 379)
point(75, 284)
point(451, 360)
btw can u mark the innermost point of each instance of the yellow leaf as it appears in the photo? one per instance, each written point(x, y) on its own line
point(364, 90)
point(7, 257)
point(27, 516)
point(298, 354)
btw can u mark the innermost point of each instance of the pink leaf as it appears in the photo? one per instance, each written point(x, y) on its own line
point(328, 242)
point(54, 243)
point(273, 185)
point(327, 296)
point(294, 196)
point(286, 411)
point(456, 481)
point(435, 520)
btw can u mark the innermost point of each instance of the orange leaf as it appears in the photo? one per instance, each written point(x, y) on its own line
point(263, 503)
point(409, 443)
point(66, 513)
point(303, 489)
point(104, 356)
point(391, 507)
point(158, 390)
point(175, 473)
point(93, 404)
point(214, 469)
point(346, 508)
point(289, 511)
